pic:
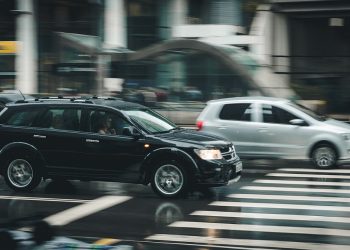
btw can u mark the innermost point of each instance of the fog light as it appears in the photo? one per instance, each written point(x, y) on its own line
point(218, 169)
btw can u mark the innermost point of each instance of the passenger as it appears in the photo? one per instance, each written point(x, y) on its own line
point(106, 126)
point(57, 122)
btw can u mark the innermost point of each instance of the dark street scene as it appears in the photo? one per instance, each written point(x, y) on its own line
point(175, 124)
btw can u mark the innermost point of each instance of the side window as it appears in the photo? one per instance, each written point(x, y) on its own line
point(61, 118)
point(237, 112)
point(102, 122)
point(23, 118)
point(272, 114)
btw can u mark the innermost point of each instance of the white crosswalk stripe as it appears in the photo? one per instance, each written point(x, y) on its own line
point(289, 189)
point(263, 228)
point(289, 197)
point(279, 206)
point(210, 241)
point(311, 170)
point(281, 209)
point(266, 216)
point(314, 183)
point(326, 176)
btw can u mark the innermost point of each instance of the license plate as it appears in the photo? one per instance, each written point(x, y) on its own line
point(239, 167)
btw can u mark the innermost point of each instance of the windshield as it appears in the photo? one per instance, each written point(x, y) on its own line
point(308, 111)
point(150, 121)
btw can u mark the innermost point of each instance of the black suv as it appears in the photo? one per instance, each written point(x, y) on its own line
point(108, 140)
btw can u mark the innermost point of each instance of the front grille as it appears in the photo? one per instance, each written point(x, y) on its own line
point(228, 153)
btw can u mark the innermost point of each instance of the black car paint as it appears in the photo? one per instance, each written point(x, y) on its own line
point(75, 155)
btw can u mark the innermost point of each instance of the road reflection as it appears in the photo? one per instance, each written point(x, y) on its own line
point(167, 213)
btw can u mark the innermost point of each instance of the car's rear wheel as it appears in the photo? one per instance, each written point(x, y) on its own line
point(324, 156)
point(169, 180)
point(21, 175)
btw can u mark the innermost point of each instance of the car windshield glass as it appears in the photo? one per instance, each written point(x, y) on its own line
point(151, 121)
point(308, 111)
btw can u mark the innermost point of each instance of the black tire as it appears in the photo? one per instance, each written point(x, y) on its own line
point(324, 156)
point(21, 173)
point(169, 179)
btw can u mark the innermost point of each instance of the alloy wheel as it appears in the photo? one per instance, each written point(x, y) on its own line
point(169, 179)
point(20, 173)
point(324, 157)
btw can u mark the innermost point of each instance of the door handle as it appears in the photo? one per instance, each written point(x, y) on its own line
point(40, 136)
point(222, 127)
point(262, 130)
point(92, 140)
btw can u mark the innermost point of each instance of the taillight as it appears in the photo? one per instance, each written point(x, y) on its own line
point(199, 125)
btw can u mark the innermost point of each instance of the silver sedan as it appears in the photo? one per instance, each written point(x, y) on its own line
point(265, 127)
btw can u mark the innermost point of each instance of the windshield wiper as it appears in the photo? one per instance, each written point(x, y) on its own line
point(175, 129)
point(168, 131)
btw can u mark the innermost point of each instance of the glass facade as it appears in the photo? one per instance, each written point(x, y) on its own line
point(142, 23)
point(63, 67)
point(320, 59)
point(66, 28)
point(7, 33)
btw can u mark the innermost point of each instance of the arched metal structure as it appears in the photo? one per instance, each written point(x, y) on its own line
point(227, 55)
point(260, 78)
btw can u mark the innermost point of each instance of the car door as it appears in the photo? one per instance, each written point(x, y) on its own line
point(111, 153)
point(281, 139)
point(237, 123)
point(17, 125)
point(58, 137)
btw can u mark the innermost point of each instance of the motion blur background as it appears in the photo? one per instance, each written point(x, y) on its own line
point(177, 54)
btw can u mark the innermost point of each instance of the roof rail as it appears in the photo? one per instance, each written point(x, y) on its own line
point(82, 100)
point(21, 101)
point(102, 97)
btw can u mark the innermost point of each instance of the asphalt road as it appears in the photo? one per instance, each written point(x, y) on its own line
point(276, 205)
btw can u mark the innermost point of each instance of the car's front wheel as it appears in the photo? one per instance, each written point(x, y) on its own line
point(20, 174)
point(324, 156)
point(169, 180)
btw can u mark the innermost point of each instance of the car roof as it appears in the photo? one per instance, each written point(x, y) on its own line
point(249, 98)
point(101, 101)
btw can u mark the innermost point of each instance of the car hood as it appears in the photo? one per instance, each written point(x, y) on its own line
point(338, 125)
point(194, 137)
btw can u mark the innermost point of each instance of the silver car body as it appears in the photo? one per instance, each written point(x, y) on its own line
point(256, 138)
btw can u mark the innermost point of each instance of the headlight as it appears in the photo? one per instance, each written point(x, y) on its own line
point(209, 154)
point(346, 137)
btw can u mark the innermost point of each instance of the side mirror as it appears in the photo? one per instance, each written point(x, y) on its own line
point(131, 131)
point(298, 122)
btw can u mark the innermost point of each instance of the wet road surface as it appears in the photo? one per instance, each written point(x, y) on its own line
point(276, 205)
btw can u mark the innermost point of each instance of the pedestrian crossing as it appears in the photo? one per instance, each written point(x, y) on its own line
point(288, 208)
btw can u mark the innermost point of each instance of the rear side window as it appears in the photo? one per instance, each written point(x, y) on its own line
point(23, 118)
point(237, 112)
point(61, 118)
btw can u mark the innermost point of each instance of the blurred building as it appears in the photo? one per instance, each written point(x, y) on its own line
point(316, 54)
point(65, 44)
point(7, 44)
point(177, 50)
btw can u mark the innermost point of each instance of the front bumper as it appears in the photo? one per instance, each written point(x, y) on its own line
point(220, 173)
